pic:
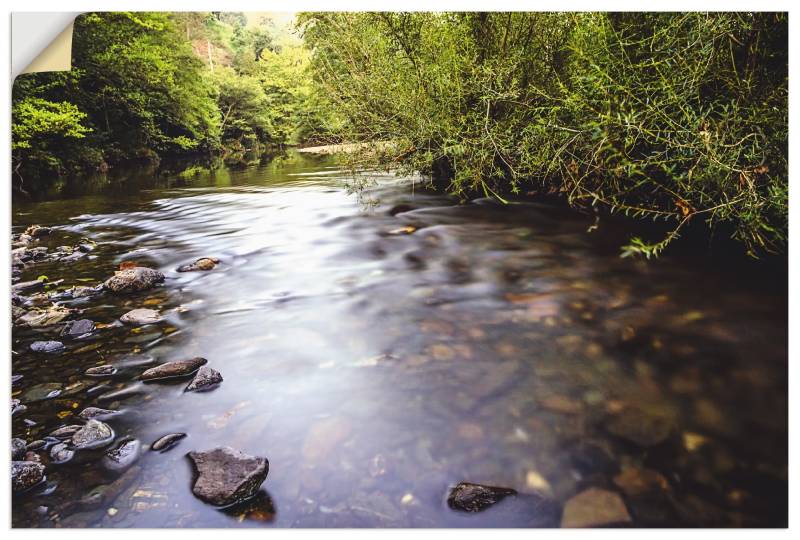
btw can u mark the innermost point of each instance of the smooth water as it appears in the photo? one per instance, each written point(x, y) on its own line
point(496, 344)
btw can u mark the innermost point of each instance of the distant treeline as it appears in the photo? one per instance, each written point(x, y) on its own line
point(668, 116)
point(145, 85)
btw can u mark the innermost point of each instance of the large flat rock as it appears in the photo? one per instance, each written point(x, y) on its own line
point(226, 476)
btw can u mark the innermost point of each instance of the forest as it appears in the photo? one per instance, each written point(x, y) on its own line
point(672, 117)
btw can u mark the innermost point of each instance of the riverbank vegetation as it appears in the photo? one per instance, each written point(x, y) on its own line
point(666, 116)
point(681, 118)
point(146, 85)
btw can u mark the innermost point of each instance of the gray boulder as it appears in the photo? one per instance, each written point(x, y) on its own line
point(226, 476)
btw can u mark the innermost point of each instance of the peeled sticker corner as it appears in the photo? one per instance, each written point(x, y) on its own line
point(41, 42)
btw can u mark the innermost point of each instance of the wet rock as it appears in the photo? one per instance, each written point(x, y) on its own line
point(61, 453)
point(37, 231)
point(595, 507)
point(167, 442)
point(95, 412)
point(25, 475)
point(38, 444)
point(18, 448)
point(592, 458)
point(94, 434)
point(561, 404)
point(38, 318)
point(206, 379)
point(66, 432)
point(74, 256)
point(468, 497)
point(400, 208)
point(640, 428)
point(201, 264)
point(17, 407)
point(123, 456)
point(635, 481)
point(141, 316)
point(122, 393)
point(48, 347)
point(27, 285)
point(76, 292)
point(409, 229)
point(76, 329)
point(226, 476)
point(105, 370)
point(176, 369)
point(129, 280)
point(42, 391)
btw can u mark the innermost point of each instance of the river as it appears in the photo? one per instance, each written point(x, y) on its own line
point(380, 346)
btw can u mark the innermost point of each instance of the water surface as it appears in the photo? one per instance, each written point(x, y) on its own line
point(495, 344)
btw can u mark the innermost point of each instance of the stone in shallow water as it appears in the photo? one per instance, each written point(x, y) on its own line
point(635, 481)
point(141, 316)
point(206, 379)
point(101, 371)
point(468, 497)
point(133, 279)
point(595, 507)
point(49, 347)
point(640, 428)
point(94, 434)
point(123, 456)
point(167, 441)
point(66, 432)
point(76, 329)
point(61, 453)
point(18, 448)
point(95, 412)
point(37, 318)
point(26, 474)
point(201, 264)
point(42, 391)
point(226, 476)
point(170, 370)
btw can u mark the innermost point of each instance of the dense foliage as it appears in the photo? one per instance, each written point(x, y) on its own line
point(144, 85)
point(658, 115)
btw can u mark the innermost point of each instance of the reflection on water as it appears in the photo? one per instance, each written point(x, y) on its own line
point(375, 369)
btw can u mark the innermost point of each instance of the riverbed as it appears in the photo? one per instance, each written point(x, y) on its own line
point(379, 346)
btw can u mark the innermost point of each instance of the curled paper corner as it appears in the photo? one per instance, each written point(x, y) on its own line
point(41, 42)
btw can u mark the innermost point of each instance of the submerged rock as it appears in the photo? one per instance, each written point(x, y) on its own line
point(123, 456)
point(226, 476)
point(38, 318)
point(37, 231)
point(468, 497)
point(640, 428)
point(206, 379)
point(105, 370)
point(176, 369)
point(61, 453)
point(141, 316)
point(25, 475)
point(595, 507)
point(167, 441)
point(78, 291)
point(18, 448)
point(66, 432)
point(95, 412)
point(48, 347)
point(201, 264)
point(17, 407)
point(76, 329)
point(122, 393)
point(42, 391)
point(129, 280)
point(94, 434)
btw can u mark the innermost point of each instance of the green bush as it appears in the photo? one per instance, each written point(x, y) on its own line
point(673, 116)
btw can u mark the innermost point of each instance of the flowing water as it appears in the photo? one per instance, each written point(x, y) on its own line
point(375, 369)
